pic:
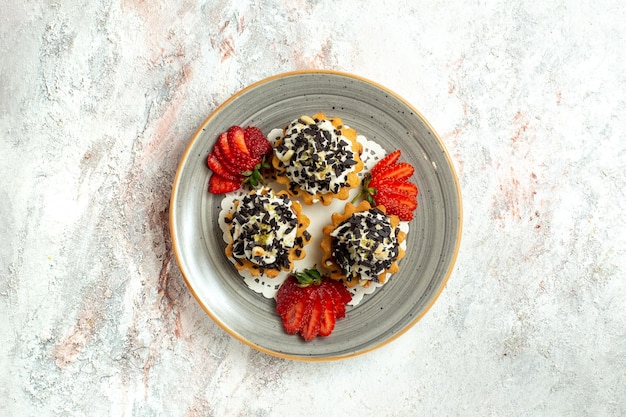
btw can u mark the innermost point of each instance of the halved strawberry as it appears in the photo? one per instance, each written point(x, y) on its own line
point(388, 160)
point(221, 185)
point(256, 142)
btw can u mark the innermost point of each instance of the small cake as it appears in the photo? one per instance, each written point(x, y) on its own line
point(362, 245)
point(266, 232)
point(318, 159)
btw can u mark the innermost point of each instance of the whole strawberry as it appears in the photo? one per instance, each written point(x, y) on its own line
point(310, 304)
point(388, 185)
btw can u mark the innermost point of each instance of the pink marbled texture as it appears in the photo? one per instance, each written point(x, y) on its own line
point(98, 102)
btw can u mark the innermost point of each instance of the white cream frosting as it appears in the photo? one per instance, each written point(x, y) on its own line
point(367, 244)
point(316, 156)
point(263, 227)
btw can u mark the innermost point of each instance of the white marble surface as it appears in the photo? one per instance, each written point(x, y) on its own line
point(99, 99)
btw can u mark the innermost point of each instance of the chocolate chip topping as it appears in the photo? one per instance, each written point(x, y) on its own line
point(316, 156)
point(365, 245)
point(264, 230)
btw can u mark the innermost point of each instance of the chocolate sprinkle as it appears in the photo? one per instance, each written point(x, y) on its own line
point(355, 241)
point(259, 220)
point(319, 158)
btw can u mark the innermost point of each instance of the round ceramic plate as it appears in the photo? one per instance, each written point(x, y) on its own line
point(432, 243)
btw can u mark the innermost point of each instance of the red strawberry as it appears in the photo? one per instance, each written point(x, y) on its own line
point(226, 164)
point(399, 171)
point(223, 144)
point(341, 297)
point(388, 160)
point(287, 295)
point(388, 185)
point(221, 169)
point(221, 185)
point(230, 159)
point(293, 318)
point(398, 204)
point(329, 314)
point(240, 152)
point(312, 316)
point(228, 154)
point(256, 142)
point(310, 304)
point(407, 188)
point(391, 185)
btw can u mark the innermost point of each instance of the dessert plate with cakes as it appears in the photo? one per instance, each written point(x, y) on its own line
point(316, 215)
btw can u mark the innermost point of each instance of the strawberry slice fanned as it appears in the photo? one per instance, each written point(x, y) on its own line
point(312, 317)
point(341, 296)
point(232, 162)
point(387, 161)
point(329, 314)
point(293, 318)
point(221, 169)
point(221, 185)
point(310, 304)
point(242, 157)
point(256, 142)
point(398, 171)
point(388, 184)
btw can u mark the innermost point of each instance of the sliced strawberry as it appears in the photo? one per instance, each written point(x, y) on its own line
point(408, 188)
point(391, 185)
point(287, 295)
point(388, 184)
point(228, 165)
point(293, 318)
point(388, 160)
point(222, 170)
point(310, 304)
point(341, 296)
point(344, 295)
point(221, 185)
point(328, 319)
point(399, 171)
point(397, 204)
point(256, 142)
point(340, 307)
point(224, 151)
point(228, 153)
point(312, 316)
point(224, 146)
point(240, 153)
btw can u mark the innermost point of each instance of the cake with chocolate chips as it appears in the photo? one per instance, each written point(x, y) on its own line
point(362, 245)
point(266, 232)
point(318, 159)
